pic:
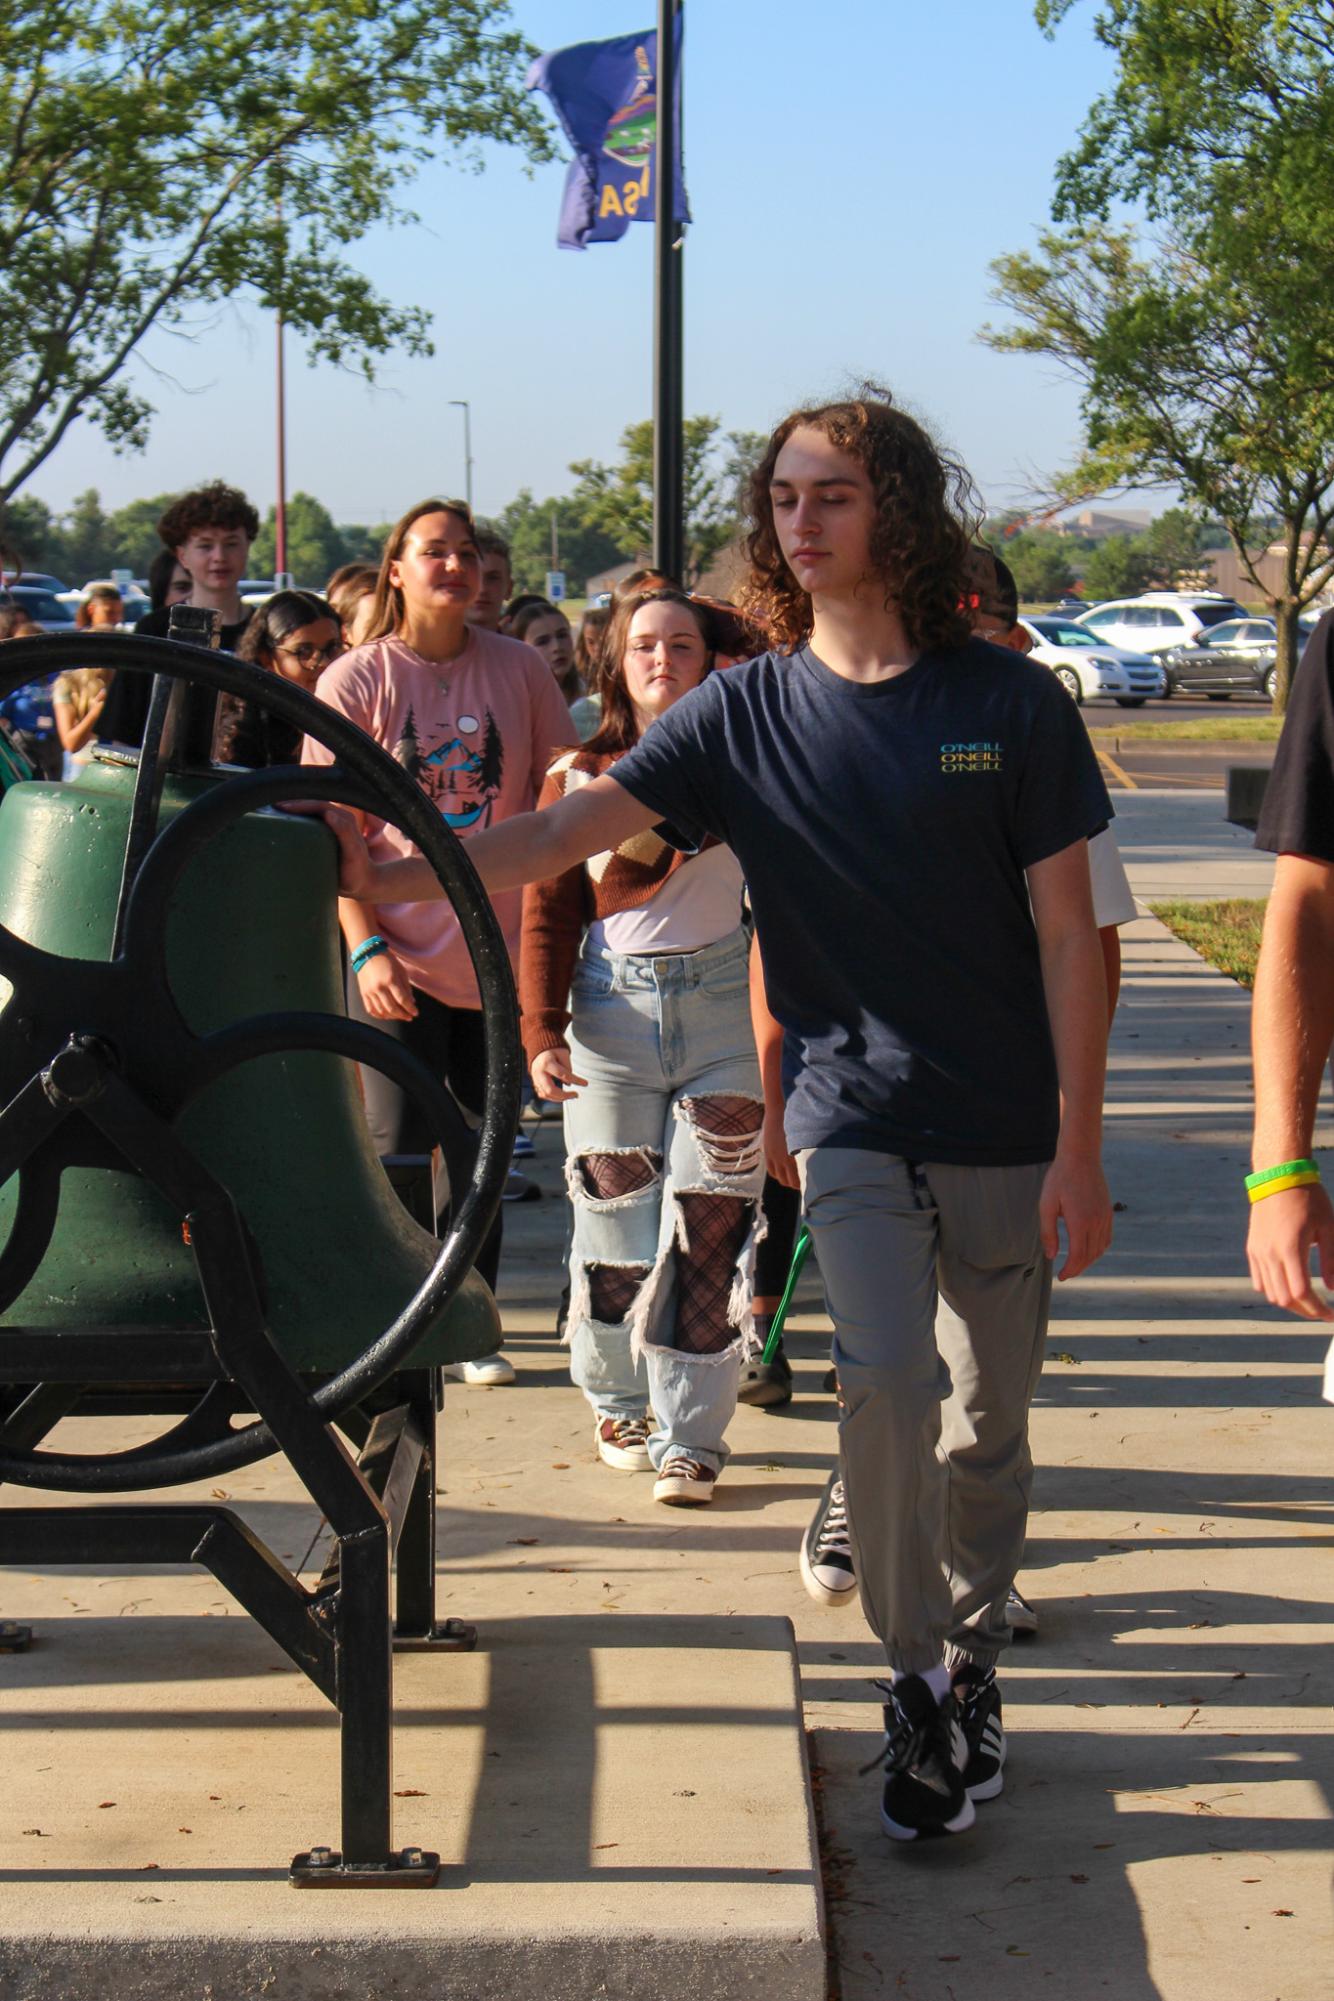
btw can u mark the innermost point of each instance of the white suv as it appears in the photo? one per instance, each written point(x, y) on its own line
point(1159, 619)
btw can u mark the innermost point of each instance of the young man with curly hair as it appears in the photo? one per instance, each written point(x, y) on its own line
point(209, 531)
point(911, 808)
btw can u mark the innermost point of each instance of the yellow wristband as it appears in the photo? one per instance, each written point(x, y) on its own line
point(1282, 1181)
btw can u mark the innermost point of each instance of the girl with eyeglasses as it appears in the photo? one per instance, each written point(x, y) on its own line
point(294, 634)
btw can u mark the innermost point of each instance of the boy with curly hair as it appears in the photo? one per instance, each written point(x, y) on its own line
point(911, 808)
point(209, 531)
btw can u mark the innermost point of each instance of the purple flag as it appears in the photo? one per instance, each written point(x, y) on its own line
point(606, 97)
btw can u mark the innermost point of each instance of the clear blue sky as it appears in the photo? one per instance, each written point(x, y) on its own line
point(853, 167)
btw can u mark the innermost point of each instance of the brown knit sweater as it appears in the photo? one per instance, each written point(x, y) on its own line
point(558, 912)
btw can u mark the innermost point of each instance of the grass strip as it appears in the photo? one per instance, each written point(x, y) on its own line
point(1232, 729)
point(1226, 934)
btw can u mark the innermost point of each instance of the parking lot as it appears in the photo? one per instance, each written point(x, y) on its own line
point(1159, 764)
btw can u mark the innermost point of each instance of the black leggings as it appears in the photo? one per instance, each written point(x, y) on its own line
point(448, 1040)
point(773, 1259)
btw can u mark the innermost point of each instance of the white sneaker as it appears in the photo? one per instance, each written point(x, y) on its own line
point(683, 1483)
point(622, 1442)
point(488, 1372)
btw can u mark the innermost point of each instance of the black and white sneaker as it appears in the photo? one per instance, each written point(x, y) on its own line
point(924, 1757)
point(1020, 1616)
point(979, 1702)
point(827, 1569)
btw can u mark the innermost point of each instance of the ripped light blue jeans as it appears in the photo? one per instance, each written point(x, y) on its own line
point(665, 1168)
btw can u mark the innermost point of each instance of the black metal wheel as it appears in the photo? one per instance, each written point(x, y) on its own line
point(70, 1010)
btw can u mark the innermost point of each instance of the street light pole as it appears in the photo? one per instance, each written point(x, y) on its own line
point(459, 403)
point(668, 395)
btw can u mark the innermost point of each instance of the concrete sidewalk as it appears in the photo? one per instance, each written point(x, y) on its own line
point(1177, 847)
point(1165, 1830)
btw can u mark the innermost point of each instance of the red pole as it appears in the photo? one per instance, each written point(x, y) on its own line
point(280, 510)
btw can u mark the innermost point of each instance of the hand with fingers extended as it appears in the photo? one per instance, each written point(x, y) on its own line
point(385, 989)
point(554, 1076)
point(1284, 1230)
point(1075, 1192)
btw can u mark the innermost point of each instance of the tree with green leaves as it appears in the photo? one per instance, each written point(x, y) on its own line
point(582, 546)
point(157, 161)
point(619, 498)
point(1117, 568)
point(315, 545)
point(1204, 342)
point(1167, 556)
point(132, 532)
point(1040, 563)
point(30, 537)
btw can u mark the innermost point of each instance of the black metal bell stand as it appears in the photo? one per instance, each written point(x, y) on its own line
point(97, 1055)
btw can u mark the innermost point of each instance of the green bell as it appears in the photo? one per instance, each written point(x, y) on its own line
point(252, 930)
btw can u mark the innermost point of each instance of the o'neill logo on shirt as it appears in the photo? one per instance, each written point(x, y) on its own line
point(971, 757)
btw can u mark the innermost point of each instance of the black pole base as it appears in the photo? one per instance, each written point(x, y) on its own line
point(16, 1639)
point(447, 1636)
point(325, 1869)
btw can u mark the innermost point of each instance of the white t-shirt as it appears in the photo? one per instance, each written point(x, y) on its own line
point(699, 903)
point(1113, 902)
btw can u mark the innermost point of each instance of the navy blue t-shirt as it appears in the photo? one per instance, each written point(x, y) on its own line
point(884, 829)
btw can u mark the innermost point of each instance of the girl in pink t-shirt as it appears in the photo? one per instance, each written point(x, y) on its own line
point(475, 718)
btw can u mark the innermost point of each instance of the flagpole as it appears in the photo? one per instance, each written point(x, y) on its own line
point(669, 250)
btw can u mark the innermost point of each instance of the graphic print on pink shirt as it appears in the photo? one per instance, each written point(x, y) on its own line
point(464, 772)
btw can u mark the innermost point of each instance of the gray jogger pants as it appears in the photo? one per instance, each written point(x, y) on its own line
point(939, 1290)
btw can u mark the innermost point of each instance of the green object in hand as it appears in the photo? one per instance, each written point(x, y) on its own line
point(800, 1253)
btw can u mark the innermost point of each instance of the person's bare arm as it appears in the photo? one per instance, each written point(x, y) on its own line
point(769, 1048)
point(1076, 989)
point(528, 848)
point(74, 735)
point(382, 982)
point(1292, 1023)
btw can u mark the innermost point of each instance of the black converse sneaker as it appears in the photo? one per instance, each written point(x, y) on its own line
point(923, 1758)
point(979, 1702)
point(827, 1568)
point(1020, 1616)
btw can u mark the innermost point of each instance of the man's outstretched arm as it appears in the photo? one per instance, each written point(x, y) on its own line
point(532, 847)
point(1292, 1025)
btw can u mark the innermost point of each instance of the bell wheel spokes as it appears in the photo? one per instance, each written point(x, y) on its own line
point(144, 932)
point(208, 1420)
point(20, 962)
point(365, 776)
point(330, 1035)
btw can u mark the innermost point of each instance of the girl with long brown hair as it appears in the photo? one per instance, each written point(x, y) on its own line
point(474, 718)
point(632, 978)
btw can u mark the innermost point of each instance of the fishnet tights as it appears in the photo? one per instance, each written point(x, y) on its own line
point(716, 1227)
point(612, 1290)
point(726, 1118)
point(609, 1175)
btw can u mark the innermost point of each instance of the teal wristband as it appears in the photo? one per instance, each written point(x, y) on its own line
point(368, 949)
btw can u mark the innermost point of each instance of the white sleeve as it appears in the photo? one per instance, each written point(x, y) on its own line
point(1112, 899)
